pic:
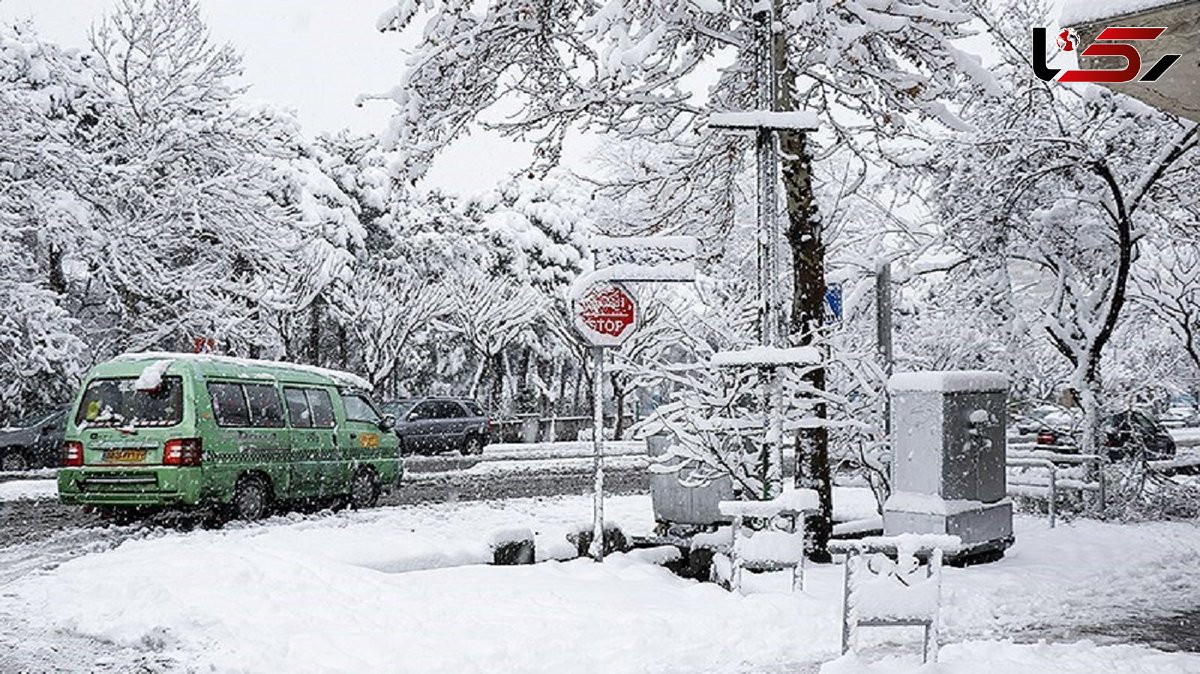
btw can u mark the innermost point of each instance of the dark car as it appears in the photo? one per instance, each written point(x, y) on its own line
point(34, 441)
point(432, 425)
point(1127, 434)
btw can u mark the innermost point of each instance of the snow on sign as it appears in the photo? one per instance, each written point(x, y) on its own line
point(645, 258)
point(605, 314)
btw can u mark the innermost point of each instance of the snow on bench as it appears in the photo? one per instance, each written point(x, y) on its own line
point(879, 591)
point(767, 549)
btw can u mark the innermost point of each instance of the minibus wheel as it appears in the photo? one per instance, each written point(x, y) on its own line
point(364, 491)
point(251, 499)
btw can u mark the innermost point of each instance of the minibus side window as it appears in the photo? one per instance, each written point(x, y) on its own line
point(297, 406)
point(322, 407)
point(265, 409)
point(229, 404)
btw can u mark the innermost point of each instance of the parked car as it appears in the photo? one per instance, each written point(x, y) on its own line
point(1125, 435)
point(234, 436)
point(433, 425)
point(34, 441)
point(1180, 416)
point(1037, 418)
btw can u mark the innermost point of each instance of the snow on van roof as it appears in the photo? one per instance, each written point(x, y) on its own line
point(336, 375)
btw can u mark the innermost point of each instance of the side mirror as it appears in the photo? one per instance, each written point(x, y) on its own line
point(387, 423)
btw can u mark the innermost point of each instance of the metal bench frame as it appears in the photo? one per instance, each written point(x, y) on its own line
point(933, 572)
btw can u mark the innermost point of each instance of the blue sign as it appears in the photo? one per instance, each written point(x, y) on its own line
point(833, 303)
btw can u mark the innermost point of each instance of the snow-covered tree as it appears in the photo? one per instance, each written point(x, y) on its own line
point(633, 71)
point(1058, 184)
point(490, 313)
point(178, 179)
point(1168, 289)
point(41, 355)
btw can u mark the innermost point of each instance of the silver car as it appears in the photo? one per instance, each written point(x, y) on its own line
point(32, 442)
point(433, 425)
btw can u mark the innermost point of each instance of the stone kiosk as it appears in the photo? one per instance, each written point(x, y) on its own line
point(948, 456)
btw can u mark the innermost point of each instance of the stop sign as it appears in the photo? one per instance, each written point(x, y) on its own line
point(605, 314)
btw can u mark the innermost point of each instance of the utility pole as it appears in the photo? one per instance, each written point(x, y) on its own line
point(767, 122)
point(883, 335)
point(771, 460)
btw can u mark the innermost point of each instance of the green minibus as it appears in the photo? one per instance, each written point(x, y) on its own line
point(236, 437)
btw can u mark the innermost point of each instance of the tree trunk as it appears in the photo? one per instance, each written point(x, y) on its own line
point(619, 403)
point(342, 348)
point(314, 332)
point(575, 403)
point(805, 238)
point(58, 279)
point(562, 386)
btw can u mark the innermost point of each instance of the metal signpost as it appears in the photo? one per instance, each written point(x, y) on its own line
point(765, 122)
point(605, 316)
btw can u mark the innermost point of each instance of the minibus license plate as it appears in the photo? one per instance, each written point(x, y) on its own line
point(124, 455)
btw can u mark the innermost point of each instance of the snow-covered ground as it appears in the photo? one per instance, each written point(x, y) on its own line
point(1185, 437)
point(502, 451)
point(13, 490)
point(402, 590)
point(27, 474)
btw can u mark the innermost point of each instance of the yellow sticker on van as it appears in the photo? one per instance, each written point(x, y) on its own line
point(368, 440)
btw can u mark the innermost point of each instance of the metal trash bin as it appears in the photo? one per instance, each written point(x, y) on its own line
point(675, 503)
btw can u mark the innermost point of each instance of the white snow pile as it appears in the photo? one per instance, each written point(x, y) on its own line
point(22, 490)
point(949, 380)
point(507, 535)
point(151, 377)
point(317, 596)
point(1005, 657)
point(781, 547)
point(768, 355)
point(359, 591)
point(803, 120)
point(791, 500)
point(346, 378)
point(893, 592)
point(931, 504)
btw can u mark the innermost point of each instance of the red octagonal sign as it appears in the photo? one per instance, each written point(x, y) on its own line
point(606, 314)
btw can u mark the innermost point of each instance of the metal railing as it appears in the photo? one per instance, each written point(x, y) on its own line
point(1043, 456)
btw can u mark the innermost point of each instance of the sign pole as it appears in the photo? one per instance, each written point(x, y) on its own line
point(596, 549)
point(605, 315)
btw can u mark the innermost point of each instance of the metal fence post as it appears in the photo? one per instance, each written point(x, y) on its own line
point(850, 559)
point(1053, 493)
